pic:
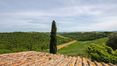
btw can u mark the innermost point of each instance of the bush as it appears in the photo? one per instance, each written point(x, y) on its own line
point(5, 51)
point(112, 42)
point(102, 53)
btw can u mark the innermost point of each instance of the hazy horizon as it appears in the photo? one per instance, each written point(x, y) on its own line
point(57, 31)
point(70, 15)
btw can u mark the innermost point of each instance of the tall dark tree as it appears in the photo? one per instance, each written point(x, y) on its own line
point(53, 40)
point(112, 41)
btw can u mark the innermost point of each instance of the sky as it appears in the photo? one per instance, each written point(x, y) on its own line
point(70, 15)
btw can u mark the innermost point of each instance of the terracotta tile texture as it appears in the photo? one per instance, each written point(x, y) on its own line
point(33, 58)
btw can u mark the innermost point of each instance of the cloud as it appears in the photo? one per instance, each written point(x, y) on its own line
point(107, 23)
point(72, 15)
point(61, 12)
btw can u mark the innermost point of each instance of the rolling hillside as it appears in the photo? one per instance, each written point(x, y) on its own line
point(24, 41)
point(80, 47)
point(86, 36)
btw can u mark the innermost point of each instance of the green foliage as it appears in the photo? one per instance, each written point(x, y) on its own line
point(112, 42)
point(53, 40)
point(5, 51)
point(25, 41)
point(80, 47)
point(86, 36)
point(102, 53)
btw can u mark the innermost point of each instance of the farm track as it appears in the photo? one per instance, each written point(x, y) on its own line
point(32, 58)
point(66, 44)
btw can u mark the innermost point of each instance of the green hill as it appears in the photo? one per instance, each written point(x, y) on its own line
point(80, 47)
point(24, 41)
point(86, 36)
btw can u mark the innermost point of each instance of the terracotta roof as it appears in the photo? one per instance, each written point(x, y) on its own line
point(32, 58)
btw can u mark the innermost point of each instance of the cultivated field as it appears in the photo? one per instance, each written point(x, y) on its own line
point(80, 47)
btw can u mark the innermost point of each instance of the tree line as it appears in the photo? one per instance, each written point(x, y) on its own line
point(86, 36)
point(24, 41)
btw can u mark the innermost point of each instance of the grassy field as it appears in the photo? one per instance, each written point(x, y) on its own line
point(80, 47)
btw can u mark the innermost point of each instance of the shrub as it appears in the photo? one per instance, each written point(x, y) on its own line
point(102, 53)
point(5, 51)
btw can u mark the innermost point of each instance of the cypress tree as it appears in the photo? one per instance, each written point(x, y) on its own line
point(53, 40)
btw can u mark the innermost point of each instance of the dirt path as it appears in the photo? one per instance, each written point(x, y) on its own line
point(66, 44)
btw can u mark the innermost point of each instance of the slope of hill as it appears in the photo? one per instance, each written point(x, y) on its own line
point(32, 58)
point(23, 41)
point(86, 36)
point(80, 47)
